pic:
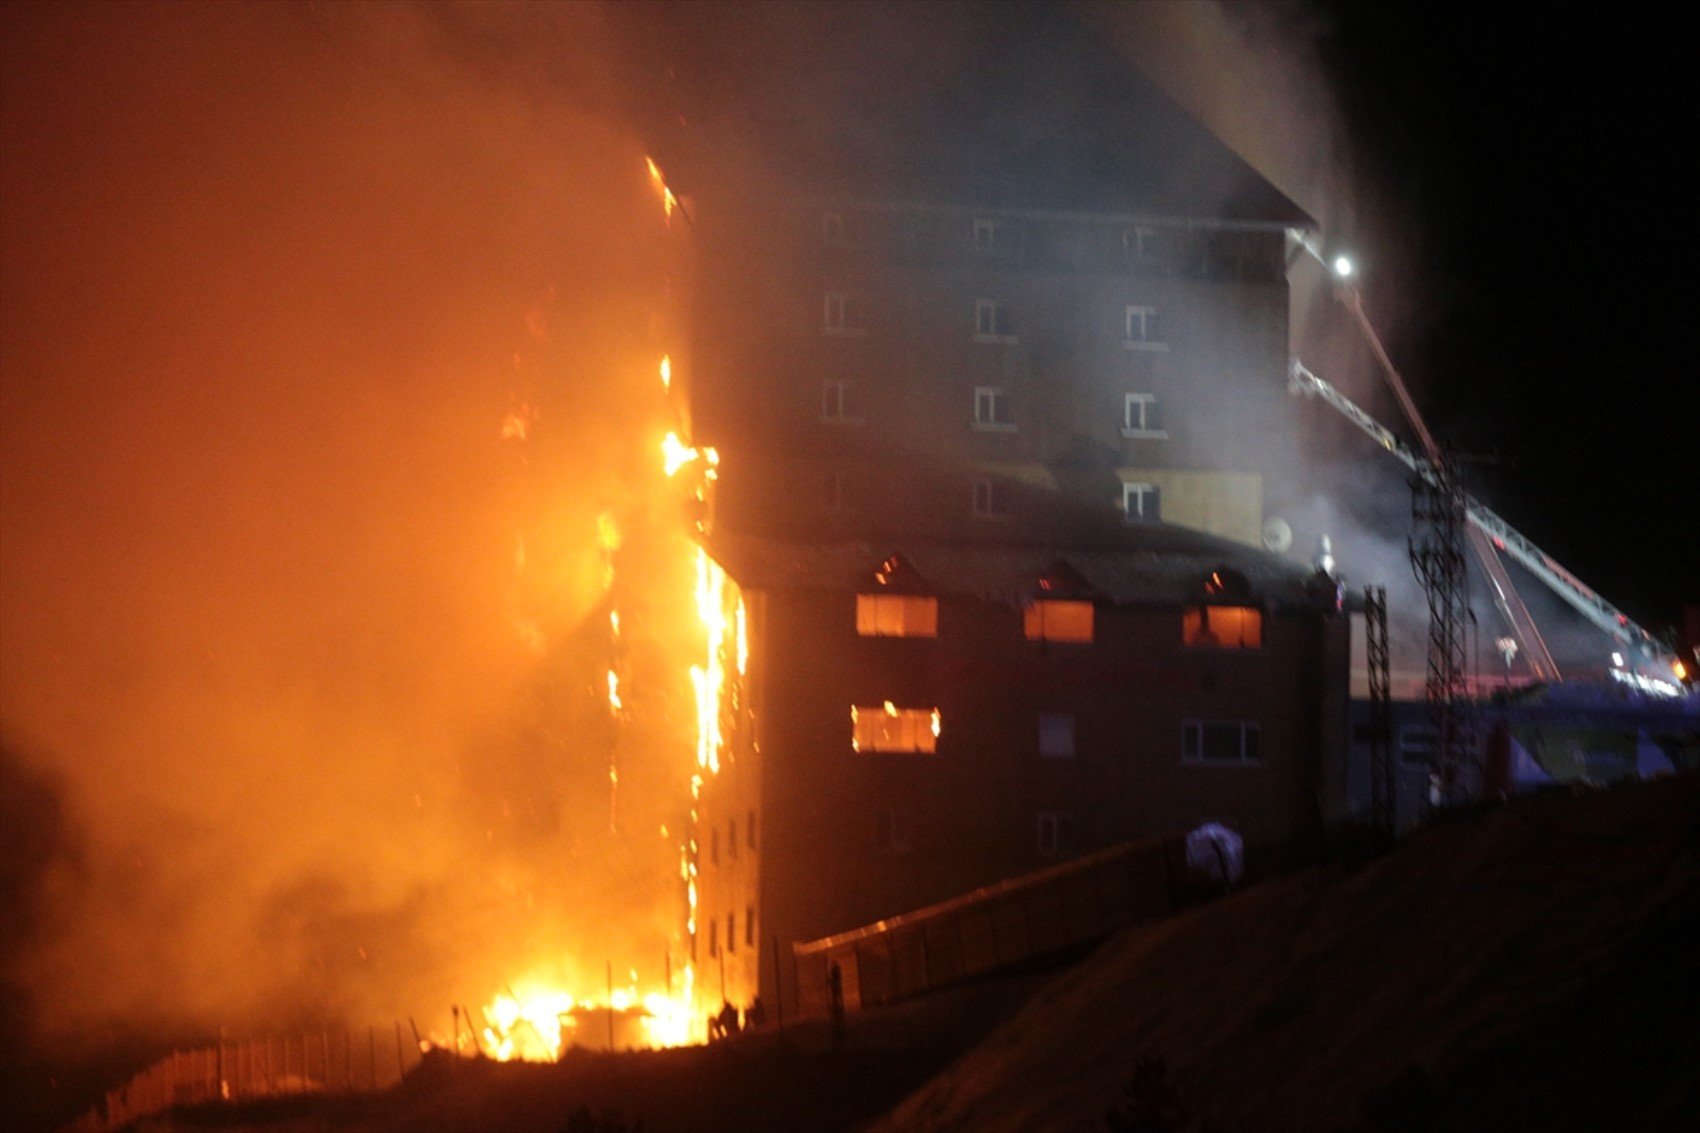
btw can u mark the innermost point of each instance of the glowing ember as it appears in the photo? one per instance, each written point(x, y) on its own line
point(668, 201)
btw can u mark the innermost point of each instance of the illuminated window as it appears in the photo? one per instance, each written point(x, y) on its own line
point(1056, 735)
point(1222, 627)
point(1224, 741)
point(1141, 502)
point(890, 728)
point(1142, 416)
point(1057, 619)
point(842, 314)
point(992, 322)
point(991, 499)
point(1143, 329)
point(838, 402)
point(896, 615)
point(1052, 827)
point(992, 410)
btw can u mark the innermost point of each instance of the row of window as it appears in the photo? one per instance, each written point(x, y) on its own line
point(846, 315)
point(731, 838)
point(994, 409)
point(732, 932)
point(888, 729)
point(1141, 502)
point(1229, 254)
point(1065, 620)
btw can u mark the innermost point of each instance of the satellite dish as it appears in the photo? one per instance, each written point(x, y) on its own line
point(1277, 536)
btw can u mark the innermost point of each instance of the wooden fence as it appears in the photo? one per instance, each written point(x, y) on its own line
point(310, 1062)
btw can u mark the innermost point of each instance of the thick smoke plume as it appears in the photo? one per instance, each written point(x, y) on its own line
point(304, 645)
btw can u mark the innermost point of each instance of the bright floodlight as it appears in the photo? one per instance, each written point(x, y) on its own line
point(1343, 267)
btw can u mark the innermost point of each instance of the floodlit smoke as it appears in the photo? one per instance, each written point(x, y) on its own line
point(329, 333)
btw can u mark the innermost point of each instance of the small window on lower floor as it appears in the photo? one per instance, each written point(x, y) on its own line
point(1056, 735)
point(892, 835)
point(1053, 833)
point(1220, 741)
point(1416, 745)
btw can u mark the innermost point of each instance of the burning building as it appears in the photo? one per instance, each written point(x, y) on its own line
point(999, 376)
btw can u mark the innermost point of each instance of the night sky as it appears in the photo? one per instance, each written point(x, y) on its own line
point(1533, 169)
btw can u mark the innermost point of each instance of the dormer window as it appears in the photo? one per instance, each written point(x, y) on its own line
point(1058, 619)
point(1226, 617)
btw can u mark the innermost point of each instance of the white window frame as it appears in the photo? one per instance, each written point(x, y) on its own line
point(1143, 491)
point(1136, 417)
point(841, 315)
point(1136, 242)
point(1192, 743)
point(990, 234)
point(988, 400)
point(1062, 726)
point(1140, 328)
point(836, 400)
point(1052, 829)
point(991, 499)
point(989, 315)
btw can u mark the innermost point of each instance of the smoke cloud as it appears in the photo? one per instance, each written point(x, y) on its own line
point(310, 654)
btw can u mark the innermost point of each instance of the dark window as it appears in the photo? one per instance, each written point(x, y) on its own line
point(1219, 741)
point(749, 924)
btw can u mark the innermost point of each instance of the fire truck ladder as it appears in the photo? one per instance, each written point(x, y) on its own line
point(1496, 535)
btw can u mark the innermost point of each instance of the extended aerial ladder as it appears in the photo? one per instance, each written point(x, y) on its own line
point(1499, 535)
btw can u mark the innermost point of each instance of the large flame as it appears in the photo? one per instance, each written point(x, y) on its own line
point(538, 1018)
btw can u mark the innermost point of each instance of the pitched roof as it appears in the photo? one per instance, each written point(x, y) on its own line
point(989, 105)
point(1162, 565)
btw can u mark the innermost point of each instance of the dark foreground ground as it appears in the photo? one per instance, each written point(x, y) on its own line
point(1528, 967)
